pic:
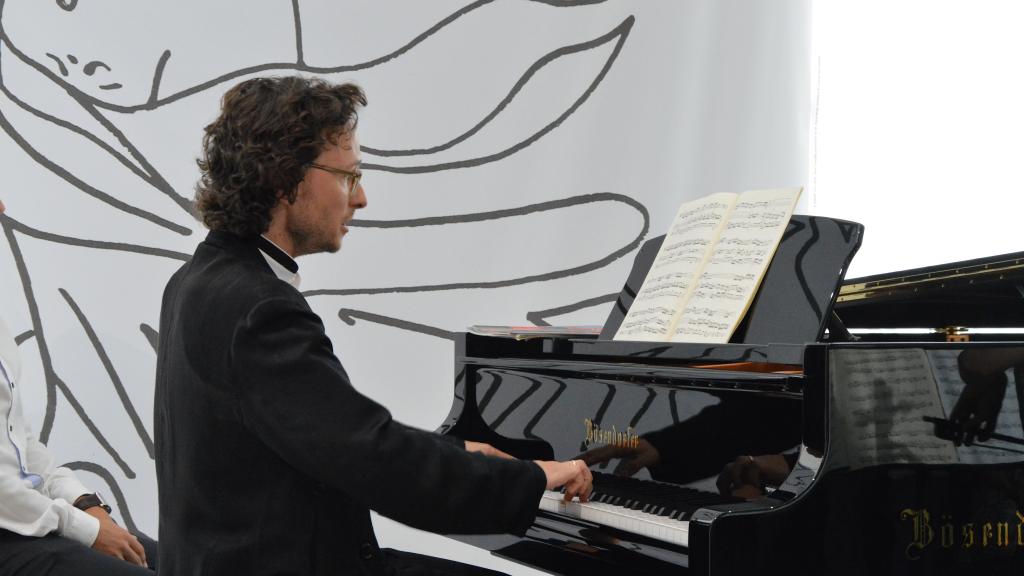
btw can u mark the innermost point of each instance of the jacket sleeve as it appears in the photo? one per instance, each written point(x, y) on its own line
point(296, 397)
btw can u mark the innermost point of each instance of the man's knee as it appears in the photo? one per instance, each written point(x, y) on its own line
point(57, 556)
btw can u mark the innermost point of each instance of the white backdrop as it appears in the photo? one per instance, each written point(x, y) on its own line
point(919, 121)
point(516, 154)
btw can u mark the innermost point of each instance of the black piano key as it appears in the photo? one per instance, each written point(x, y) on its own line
point(652, 497)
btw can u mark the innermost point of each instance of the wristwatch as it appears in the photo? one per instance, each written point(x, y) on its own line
point(86, 501)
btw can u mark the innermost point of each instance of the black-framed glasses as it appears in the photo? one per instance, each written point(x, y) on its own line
point(353, 177)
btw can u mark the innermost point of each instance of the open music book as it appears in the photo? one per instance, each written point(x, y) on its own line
point(709, 267)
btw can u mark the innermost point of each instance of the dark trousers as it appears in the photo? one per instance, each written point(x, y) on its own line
point(410, 564)
point(58, 556)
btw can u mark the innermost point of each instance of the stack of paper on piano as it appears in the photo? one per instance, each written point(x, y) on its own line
point(706, 274)
point(527, 332)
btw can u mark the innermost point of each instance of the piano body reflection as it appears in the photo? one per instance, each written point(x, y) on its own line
point(873, 481)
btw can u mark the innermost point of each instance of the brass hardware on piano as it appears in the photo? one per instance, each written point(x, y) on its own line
point(956, 334)
point(995, 269)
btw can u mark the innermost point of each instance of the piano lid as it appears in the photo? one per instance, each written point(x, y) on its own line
point(979, 293)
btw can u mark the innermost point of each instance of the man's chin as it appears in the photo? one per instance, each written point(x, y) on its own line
point(333, 246)
point(324, 247)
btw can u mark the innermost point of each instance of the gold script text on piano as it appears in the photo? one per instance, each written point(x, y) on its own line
point(995, 533)
point(597, 435)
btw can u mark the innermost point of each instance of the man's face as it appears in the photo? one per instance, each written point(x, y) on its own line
point(325, 201)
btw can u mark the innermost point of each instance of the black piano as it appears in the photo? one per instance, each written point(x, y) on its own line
point(828, 417)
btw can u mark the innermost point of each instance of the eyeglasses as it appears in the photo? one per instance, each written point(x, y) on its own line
point(353, 177)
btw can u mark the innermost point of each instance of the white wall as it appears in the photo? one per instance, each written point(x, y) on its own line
point(625, 109)
point(919, 122)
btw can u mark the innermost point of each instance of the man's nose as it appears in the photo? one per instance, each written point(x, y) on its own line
point(359, 198)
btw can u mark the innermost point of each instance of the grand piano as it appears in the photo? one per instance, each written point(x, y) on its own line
point(883, 415)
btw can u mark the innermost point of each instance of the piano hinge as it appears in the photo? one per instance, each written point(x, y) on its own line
point(955, 334)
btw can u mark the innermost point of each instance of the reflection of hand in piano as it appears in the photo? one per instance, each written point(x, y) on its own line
point(746, 476)
point(632, 459)
point(983, 371)
point(486, 450)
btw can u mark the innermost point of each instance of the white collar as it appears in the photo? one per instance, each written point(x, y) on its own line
point(283, 265)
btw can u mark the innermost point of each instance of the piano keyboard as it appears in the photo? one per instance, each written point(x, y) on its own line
point(652, 509)
point(633, 521)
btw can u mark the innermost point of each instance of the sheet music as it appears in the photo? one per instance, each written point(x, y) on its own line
point(738, 261)
point(880, 398)
point(686, 246)
point(947, 376)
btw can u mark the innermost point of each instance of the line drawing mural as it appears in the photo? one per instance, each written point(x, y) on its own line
point(94, 130)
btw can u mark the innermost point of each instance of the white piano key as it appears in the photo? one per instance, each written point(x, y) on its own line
point(651, 525)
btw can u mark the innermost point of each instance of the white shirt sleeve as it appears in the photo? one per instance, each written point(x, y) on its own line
point(58, 482)
point(48, 508)
point(28, 512)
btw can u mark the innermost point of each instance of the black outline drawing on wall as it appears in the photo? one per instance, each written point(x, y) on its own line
point(131, 158)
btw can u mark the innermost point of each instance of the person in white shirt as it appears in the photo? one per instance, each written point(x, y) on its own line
point(50, 524)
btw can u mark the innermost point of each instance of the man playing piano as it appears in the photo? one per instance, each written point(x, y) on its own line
point(268, 460)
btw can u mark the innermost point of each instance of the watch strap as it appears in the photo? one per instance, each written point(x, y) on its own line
point(86, 501)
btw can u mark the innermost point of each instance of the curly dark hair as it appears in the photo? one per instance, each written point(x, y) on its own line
point(259, 148)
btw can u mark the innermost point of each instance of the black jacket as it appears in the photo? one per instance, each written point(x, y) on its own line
point(268, 461)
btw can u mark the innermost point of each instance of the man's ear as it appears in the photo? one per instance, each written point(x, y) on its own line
point(294, 196)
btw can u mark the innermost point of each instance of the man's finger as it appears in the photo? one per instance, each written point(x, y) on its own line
point(136, 546)
point(751, 474)
point(739, 468)
point(590, 481)
point(568, 494)
point(573, 488)
point(579, 485)
point(724, 483)
point(747, 492)
point(972, 429)
point(986, 429)
point(587, 492)
point(128, 555)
